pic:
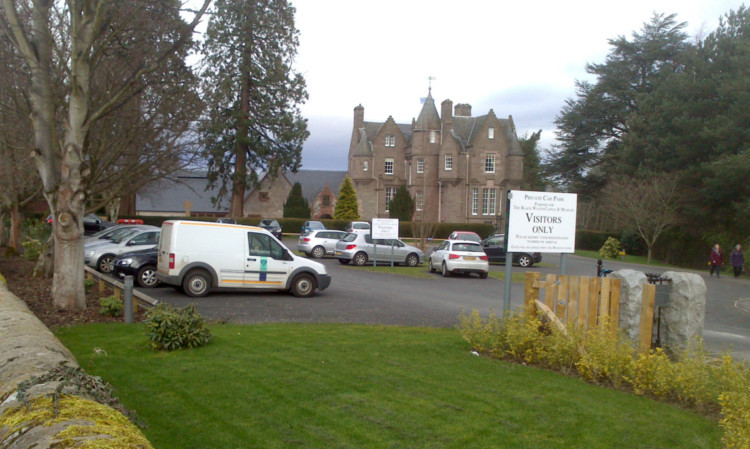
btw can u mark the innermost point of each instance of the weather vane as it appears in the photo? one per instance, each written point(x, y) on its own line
point(430, 79)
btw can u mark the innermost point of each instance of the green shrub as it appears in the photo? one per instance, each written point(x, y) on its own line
point(34, 237)
point(610, 249)
point(169, 328)
point(632, 243)
point(590, 240)
point(88, 283)
point(110, 305)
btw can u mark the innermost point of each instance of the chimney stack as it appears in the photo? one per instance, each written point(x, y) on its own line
point(463, 110)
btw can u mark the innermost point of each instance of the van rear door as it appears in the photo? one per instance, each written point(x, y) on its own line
point(165, 243)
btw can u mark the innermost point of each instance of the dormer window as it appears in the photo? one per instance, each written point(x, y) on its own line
point(491, 133)
point(390, 140)
point(433, 136)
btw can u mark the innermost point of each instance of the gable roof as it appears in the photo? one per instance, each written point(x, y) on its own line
point(313, 181)
point(170, 194)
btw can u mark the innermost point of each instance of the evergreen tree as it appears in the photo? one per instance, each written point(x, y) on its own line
point(402, 204)
point(296, 205)
point(532, 179)
point(346, 203)
point(254, 123)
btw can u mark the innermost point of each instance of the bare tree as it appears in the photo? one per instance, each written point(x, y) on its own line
point(649, 203)
point(62, 44)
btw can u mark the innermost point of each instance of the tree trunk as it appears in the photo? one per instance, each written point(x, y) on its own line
point(236, 209)
point(16, 228)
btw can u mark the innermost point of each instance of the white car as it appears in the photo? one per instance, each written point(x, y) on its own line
point(460, 256)
point(101, 256)
point(318, 243)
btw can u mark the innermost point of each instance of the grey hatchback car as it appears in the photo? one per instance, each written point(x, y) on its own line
point(318, 243)
point(360, 248)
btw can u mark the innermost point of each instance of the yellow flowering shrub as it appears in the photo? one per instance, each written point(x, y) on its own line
point(607, 358)
point(653, 374)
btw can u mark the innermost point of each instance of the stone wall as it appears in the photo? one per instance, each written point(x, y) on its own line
point(29, 350)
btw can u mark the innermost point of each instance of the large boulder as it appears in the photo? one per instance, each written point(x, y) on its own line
point(631, 298)
point(683, 318)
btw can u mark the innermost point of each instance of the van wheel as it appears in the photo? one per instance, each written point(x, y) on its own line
point(318, 252)
point(303, 286)
point(196, 283)
point(412, 260)
point(360, 259)
point(106, 263)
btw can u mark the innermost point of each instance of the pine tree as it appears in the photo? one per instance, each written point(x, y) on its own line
point(402, 204)
point(346, 203)
point(296, 205)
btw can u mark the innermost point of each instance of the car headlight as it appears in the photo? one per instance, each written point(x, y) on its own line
point(125, 261)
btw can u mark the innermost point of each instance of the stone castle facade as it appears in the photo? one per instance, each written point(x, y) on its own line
point(456, 167)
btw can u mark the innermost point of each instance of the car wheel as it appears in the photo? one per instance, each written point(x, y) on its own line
point(106, 263)
point(303, 286)
point(196, 283)
point(482, 275)
point(318, 252)
point(446, 273)
point(360, 259)
point(432, 267)
point(146, 277)
point(412, 260)
point(525, 260)
point(344, 261)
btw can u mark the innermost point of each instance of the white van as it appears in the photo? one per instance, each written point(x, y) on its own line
point(197, 257)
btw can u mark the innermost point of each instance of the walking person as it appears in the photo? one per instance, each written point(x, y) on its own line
point(716, 260)
point(738, 260)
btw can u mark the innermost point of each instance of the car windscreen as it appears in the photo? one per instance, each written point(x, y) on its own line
point(468, 247)
point(361, 226)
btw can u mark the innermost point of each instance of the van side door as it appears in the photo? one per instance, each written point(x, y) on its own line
point(267, 264)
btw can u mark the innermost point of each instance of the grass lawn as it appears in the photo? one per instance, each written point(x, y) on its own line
point(352, 386)
point(628, 259)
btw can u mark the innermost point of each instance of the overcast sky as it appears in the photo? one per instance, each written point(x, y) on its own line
point(518, 58)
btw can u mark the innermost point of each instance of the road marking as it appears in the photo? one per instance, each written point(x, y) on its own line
point(743, 304)
point(726, 335)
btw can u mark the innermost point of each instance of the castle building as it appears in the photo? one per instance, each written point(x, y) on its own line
point(457, 168)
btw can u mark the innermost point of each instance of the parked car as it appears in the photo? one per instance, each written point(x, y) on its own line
point(465, 235)
point(360, 248)
point(362, 227)
point(311, 226)
point(102, 256)
point(106, 235)
point(319, 243)
point(271, 226)
point(494, 247)
point(139, 264)
point(197, 257)
point(227, 220)
point(91, 224)
point(116, 235)
point(459, 256)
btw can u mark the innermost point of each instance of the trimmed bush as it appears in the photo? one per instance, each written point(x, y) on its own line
point(110, 305)
point(610, 249)
point(169, 328)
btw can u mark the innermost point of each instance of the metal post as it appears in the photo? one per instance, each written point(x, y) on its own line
point(563, 264)
point(508, 280)
point(128, 299)
point(375, 254)
point(392, 253)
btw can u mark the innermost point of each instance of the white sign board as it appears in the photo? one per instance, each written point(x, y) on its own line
point(542, 222)
point(385, 228)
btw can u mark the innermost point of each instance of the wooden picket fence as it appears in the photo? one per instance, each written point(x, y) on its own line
point(585, 301)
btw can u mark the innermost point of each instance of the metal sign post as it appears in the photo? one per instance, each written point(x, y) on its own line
point(508, 259)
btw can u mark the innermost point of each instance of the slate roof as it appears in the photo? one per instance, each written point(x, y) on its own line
point(428, 116)
point(170, 194)
point(313, 181)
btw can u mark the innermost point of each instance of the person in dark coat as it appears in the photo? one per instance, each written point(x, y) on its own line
point(716, 260)
point(738, 260)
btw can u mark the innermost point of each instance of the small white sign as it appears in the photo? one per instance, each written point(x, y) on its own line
point(385, 228)
point(542, 222)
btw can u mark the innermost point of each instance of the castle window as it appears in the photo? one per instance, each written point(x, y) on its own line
point(433, 136)
point(420, 201)
point(474, 201)
point(263, 197)
point(364, 165)
point(491, 133)
point(326, 200)
point(389, 166)
point(489, 197)
point(489, 163)
point(390, 140)
point(420, 165)
point(448, 162)
point(389, 192)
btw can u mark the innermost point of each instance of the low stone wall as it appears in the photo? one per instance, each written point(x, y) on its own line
point(28, 350)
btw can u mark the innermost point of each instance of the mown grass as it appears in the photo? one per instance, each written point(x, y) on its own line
point(642, 260)
point(345, 386)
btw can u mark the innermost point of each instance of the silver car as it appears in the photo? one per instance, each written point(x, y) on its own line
point(360, 248)
point(101, 256)
point(457, 256)
point(319, 243)
point(106, 235)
